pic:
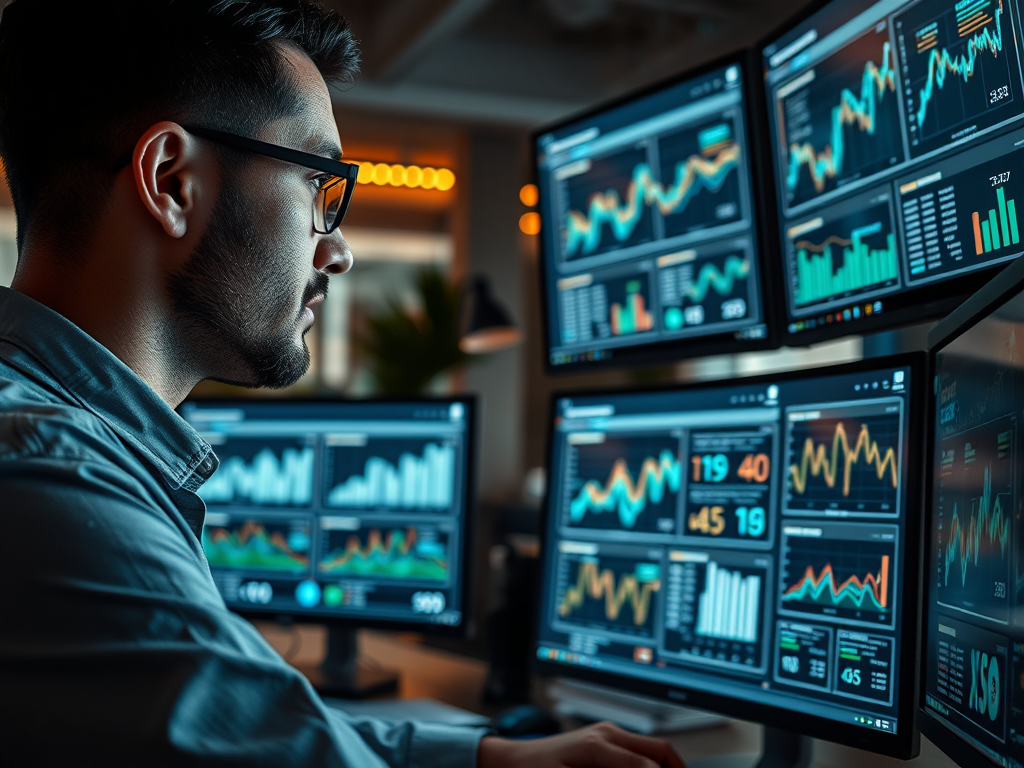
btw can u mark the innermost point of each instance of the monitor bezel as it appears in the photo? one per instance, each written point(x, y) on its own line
point(978, 307)
point(905, 744)
point(466, 592)
point(680, 349)
point(922, 312)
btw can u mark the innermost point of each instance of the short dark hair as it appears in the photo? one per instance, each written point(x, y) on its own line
point(80, 81)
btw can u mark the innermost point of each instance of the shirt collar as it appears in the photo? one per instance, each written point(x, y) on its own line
point(99, 382)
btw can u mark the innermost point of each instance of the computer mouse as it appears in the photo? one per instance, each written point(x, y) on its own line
point(525, 720)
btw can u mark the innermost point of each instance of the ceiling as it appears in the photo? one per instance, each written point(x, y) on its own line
point(526, 62)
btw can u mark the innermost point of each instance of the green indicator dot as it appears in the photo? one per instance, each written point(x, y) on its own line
point(332, 595)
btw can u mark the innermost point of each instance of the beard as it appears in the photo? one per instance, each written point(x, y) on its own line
point(232, 300)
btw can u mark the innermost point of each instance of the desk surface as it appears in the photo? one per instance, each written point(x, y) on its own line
point(458, 680)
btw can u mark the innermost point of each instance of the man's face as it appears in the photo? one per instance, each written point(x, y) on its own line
point(242, 296)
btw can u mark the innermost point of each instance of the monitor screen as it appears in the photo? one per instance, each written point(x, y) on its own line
point(747, 547)
point(894, 126)
point(339, 510)
point(974, 626)
point(648, 243)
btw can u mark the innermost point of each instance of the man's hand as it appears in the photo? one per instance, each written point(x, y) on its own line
point(600, 746)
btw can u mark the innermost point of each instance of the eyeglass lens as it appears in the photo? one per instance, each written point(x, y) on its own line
point(330, 204)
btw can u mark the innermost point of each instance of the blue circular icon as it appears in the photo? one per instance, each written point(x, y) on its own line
point(307, 594)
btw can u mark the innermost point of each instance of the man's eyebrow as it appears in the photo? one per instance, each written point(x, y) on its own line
point(324, 148)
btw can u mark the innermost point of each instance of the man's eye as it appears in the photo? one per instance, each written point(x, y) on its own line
point(319, 182)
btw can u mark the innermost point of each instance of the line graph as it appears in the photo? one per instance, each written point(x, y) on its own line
point(976, 503)
point(824, 588)
point(987, 530)
point(841, 122)
point(611, 593)
point(632, 483)
point(845, 459)
point(262, 472)
point(406, 553)
point(610, 206)
point(280, 545)
point(840, 572)
point(961, 65)
point(685, 286)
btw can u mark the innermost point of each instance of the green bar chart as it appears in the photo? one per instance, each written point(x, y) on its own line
point(999, 228)
point(840, 266)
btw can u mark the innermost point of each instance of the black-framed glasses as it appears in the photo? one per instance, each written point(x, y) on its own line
point(334, 194)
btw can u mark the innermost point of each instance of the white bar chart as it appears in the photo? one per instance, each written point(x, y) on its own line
point(414, 482)
point(729, 605)
point(266, 480)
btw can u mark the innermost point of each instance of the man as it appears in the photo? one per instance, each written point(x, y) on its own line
point(159, 246)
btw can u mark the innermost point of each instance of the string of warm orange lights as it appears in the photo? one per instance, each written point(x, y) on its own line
point(529, 222)
point(409, 176)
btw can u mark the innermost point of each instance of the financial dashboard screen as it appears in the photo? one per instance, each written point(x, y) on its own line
point(648, 227)
point(896, 128)
point(337, 509)
point(974, 637)
point(746, 541)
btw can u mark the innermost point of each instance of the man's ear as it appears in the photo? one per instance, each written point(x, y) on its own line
point(166, 164)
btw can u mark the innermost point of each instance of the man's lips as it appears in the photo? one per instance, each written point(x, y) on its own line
point(315, 300)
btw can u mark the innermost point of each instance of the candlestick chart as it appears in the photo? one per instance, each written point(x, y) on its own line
point(280, 545)
point(385, 552)
point(840, 121)
point(961, 66)
point(845, 573)
point(976, 505)
point(612, 205)
point(626, 484)
point(848, 463)
point(262, 473)
point(614, 594)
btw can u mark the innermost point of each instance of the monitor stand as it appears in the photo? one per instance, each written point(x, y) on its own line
point(779, 749)
point(341, 675)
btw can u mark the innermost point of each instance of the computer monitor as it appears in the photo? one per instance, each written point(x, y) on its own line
point(349, 513)
point(972, 701)
point(749, 547)
point(895, 128)
point(649, 239)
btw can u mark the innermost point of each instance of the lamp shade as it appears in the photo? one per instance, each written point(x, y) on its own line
point(486, 326)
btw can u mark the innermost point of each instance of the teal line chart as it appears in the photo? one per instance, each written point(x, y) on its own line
point(987, 519)
point(828, 154)
point(628, 485)
point(707, 170)
point(960, 65)
point(976, 504)
point(736, 268)
point(941, 63)
point(684, 298)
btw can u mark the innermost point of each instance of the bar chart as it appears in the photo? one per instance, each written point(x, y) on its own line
point(270, 472)
point(729, 605)
point(403, 474)
point(631, 316)
point(839, 257)
point(715, 609)
point(999, 228)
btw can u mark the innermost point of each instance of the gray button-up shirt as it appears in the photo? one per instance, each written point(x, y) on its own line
point(116, 648)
